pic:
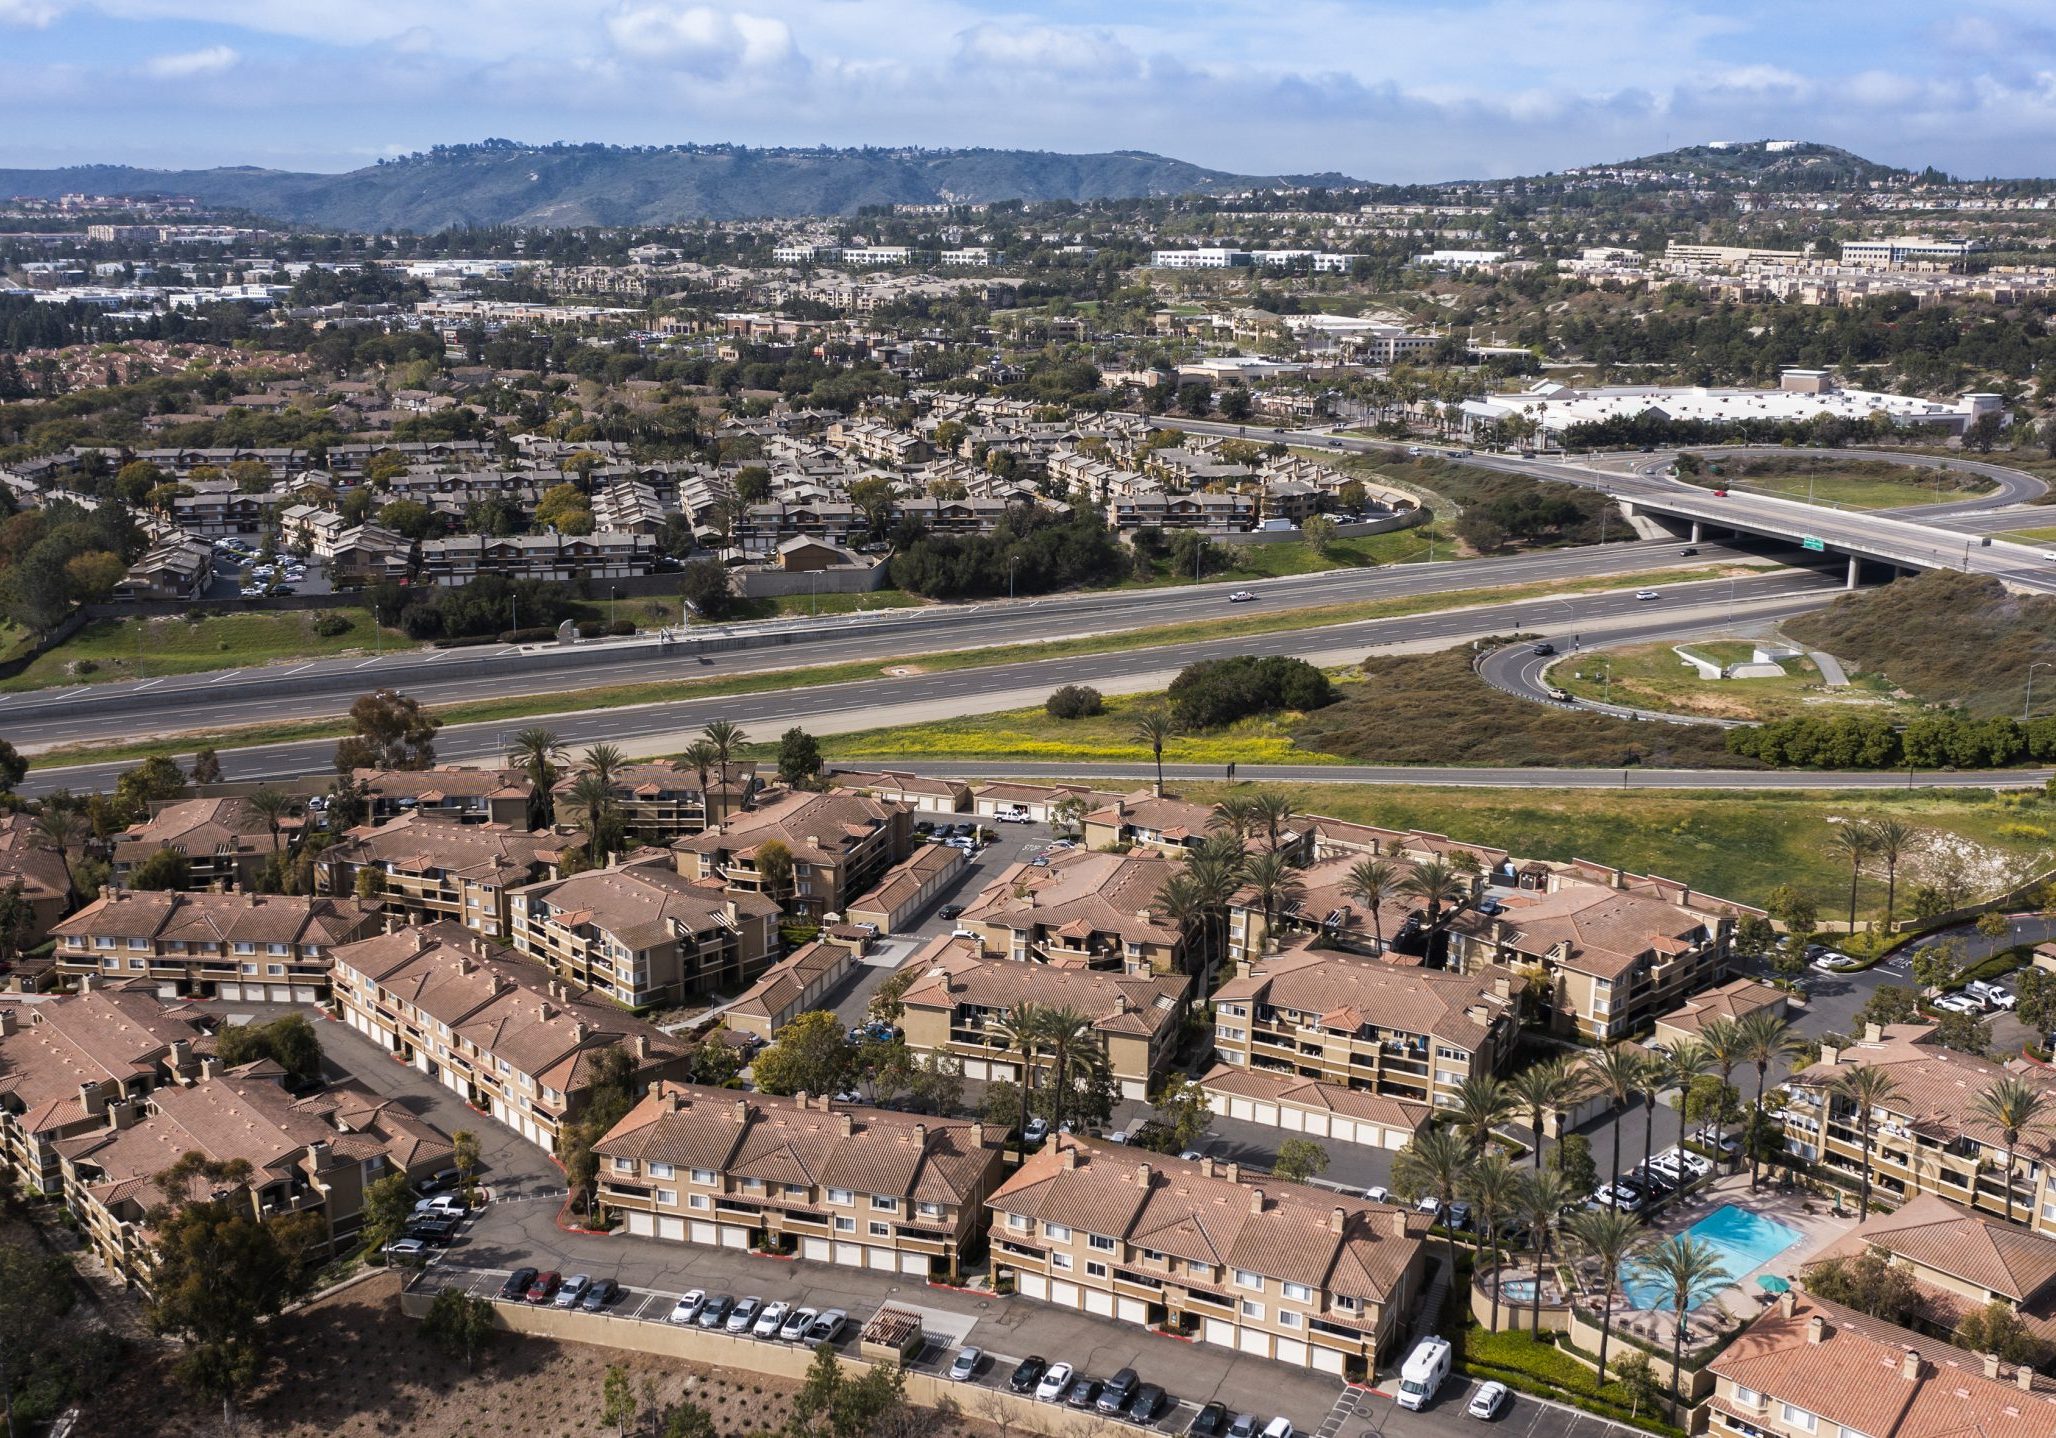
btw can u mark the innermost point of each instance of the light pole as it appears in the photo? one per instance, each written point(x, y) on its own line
point(1607, 692)
point(2029, 703)
point(377, 634)
point(613, 605)
point(1014, 563)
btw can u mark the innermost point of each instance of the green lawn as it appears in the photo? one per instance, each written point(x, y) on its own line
point(2033, 536)
point(792, 606)
point(1296, 556)
point(1653, 676)
point(1849, 483)
point(129, 648)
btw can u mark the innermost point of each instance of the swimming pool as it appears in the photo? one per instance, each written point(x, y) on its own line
point(1744, 1240)
point(1518, 1290)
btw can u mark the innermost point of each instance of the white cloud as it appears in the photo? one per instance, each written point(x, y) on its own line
point(30, 12)
point(701, 39)
point(1035, 52)
point(190, 64)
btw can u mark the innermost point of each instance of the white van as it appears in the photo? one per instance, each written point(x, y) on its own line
point(1421, 1377)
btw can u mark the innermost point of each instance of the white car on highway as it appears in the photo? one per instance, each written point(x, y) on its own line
point(1242, 596)
point(1646, 594)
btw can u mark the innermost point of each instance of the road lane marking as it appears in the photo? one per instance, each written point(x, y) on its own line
point(230, 675)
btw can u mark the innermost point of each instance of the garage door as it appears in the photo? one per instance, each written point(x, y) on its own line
point(1291, 1350)
point(306, 994)
point(1292, 1119)
point(914, 1264)
point(642, 1225)
point(883, 1258)
point(1266, 1113)
point(816, 1249)
point(227, 991)
point(1221, 1332)
point(1064, 1293)
point(1255, 1341)
point(1133, 1310)
point(671, 1228)
point(851, 1254)
point(734, 1237)
point(170, 990)
point(1243, 1109)
point(1032, 1285)
point(700, 1231)
point(1100, 1303)
point(1327, 1360)
point(977, 1069)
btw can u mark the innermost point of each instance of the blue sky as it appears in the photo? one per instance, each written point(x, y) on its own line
point(1381, 89)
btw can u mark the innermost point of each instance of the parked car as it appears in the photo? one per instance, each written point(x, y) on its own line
point(743, 1314)
point(1488, 1400)
point(518, 1283)
point(448, 1203)
point(603, 1292)
point(1015, 815)
point(439, 1231)
point(1378, 1193)
point(796, 1324)
point(1994, 995)
point(715, 1313)
point(1698, 1165)
point(770, 1320)
point(1027, 1373)
point(406, 1252)
point(1712, 1137)
point(545, 1287)
point(443, 1178)
point(1429, 1204)
point(1114, 1396)
point(1054, 1383)
point(1212, 1422)
point(949, 911)
point(1037, 1130)
point(1244, 1426)
point(687, 1309)
point(1459, 1217)
point(574, 1289)
point(1148, 1404)
point(1278, 1428)
point(827, 1328)
point(1959, 1004)
point(967, 1361)
point(1083, 1393)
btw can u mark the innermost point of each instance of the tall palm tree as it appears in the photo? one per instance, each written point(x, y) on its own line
point(1020, 1029)
point(1068, 1038)
point(1433, 1162)
point(724, 737)
point(1615, 1071)
point(1608, 1237)
point(1234, 815)
point(1688, 1272)
point(1276, 885)
point(1272, 812)
point(271, 805)
point(591, 801)
point(1892, 839)
point(1482, 1104)
point(1869, 1087)
point(1546, 1088)
point(1434, 883)
point(2015, 1108)
point(1490, 1185)
point(1181, 907)
point(1767, 1038)
point(1216, 875)
point(61, 828)
point(1852, 842)
point(1725, 1046)
point(1155, 728)
point(1539, 1203)
point(536, 752)
point(1370, 883)
point(604, 761)
point(1683, 1063)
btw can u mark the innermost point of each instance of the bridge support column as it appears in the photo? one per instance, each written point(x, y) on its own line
point(1855, 572)
point(1696, 531)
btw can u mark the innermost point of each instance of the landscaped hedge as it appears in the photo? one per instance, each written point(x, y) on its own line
point(1518, 1361)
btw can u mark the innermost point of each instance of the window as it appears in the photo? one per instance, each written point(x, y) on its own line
point(1095, 1270)
point(1060, 1260)
point(667, 1197)
point(624, 1165)
point(274, 968)
point(845, 1224)
point(139, 943)
point(841, 1196)
point(703, 1176)
point(1748, 1396)
point(698, 1200)
point(1020, 1222)
point(1099, 1241)
point(245, 948)
point(1345, 1305)
point(1298, 1292)
point(883, 1204)
point(136, 963)
point(1252, 1309)
point(111, 963)
point(1057, 1233)
point(1288, 1319)
point(880, 1230)
point(274, 948)
point(1797, 1417)
point(1252, 1281)
point(247, 968)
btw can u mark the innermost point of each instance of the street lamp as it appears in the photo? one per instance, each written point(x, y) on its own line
point(2029, 702)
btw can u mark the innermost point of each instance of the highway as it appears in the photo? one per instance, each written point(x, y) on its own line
point(836, 708)
point(314, 689)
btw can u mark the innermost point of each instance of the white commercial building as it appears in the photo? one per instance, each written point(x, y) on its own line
point(1556, 407)
point(1205, 259)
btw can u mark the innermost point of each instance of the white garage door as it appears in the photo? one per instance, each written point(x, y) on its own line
point(816, 1249)
point(1266, 1113)
point(1221, 1332)
point(1327, 1360)
point(1032, 1285)
point(671, 1228)
point(1291, 1119)
point(306, 994)
point(1243, 1109)
point(1255, 1341)
point(701, 1231)
point(1319, 1123)
point(227, 991)
point(883, 1258)
point(1100, 1303)
point(170, 990)
point(1291, 1350)
point(733, 1236)
point(1064, 1293)
point(977, 1069)
point(642, 1225)
point(914, 1264)
point(1133, 1310)
point(851, 1254)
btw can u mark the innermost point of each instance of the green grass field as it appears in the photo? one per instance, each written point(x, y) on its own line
point(132, 648)
point(1296, 556)
point(1848, 483)
point(2032, 536)
point(1653, 676)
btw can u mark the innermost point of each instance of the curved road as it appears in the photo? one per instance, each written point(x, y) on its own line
point(1518, 670)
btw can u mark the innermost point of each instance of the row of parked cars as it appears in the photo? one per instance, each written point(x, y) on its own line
point(1124, 1395)
point(548, 1286)
point(1648, 1184)
point(1978, 998)
point(775, 1322)
point(434, 1224)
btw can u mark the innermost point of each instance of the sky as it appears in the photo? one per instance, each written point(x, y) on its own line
point(1378, 89)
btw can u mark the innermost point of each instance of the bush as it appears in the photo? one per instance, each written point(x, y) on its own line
point(1075, 701)
point(328, 624)
point(1216, 692)
point(620, 628)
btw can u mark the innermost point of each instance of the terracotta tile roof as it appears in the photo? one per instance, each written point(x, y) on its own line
point(1938, 1087)
point(907, 878)
point(641, 905)
point(43, 873)
point(1114, 894)
point(783, 984)
point(215, 919)
point(426, 843)
point(898, 783)
point(820, 1145)
point(200, 828)
point(445, 781)
point(1602, 931)
point(1327, 903)
point(107, 1034)
point(1268, 1086)
point(1929, 1232)
point(1732, 1000)
point(1193, 1211)
point(801, 821)
point(1455, 1009)
point(1148, 811)
point(950, 972)
point(1010, 792)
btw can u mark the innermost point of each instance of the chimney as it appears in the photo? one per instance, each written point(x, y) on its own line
point(125, 1113)
point(1991, 1365)
point(581, 1031)
point(677, 1097)
point(181, 1054)
point(1070, 1152)
point(1788, 1301)
point(1873, 1033)
point(848, 1123)
point(8, 1023)
point(85, 983)
point(1336, 1218)
point(742, 1110)
point(1909, 1366)
point(210, 1067)
point(1502, 987)
point(317, 1154)
point(800, 1098)
point(2024, 1378)
point(1256, 1200)
point(1234, 1174)
point(1817, 1329)
point(92, 1100)
point(1142, 1175)
point(642, 1046)
point(977, 1135)
point(1829, 1054)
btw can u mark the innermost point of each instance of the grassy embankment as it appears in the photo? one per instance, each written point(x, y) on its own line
point(110, 649)
point(1653, 676)
point(624, 695)
point(1850, 483)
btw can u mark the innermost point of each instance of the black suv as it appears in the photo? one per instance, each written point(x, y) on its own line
point(516, 1287)
point(1028, 1374)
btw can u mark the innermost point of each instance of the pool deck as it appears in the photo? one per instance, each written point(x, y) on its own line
point(1741, 1299)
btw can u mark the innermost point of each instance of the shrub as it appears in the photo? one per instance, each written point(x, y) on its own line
point(1075, 701)
point(1215, 692)
point(328, 624)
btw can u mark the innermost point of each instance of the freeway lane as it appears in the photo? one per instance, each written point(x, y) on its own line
point(832, 708)
point(84, 713)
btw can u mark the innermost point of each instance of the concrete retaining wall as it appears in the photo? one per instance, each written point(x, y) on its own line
point(1342, 531)
point(777, 583)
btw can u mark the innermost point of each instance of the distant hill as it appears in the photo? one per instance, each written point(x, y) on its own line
point(501, 182)
point(1800, 165)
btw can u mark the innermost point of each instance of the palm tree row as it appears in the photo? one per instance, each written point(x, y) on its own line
point(1888, 840)
point(1065, 1038)
point(591, 801)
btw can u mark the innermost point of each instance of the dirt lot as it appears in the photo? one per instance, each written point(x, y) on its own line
point(350, 1366)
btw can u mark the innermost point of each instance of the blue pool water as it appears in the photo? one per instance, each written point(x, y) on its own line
point(1744, 1240)
point(1518, 1290)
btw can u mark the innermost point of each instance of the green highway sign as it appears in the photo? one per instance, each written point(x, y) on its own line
point(1812, 542)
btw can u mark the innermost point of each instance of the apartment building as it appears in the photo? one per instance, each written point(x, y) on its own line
point(1146, 817)
point(1400, 1030)
point(661, 802)
point(1612, 959)
point(796, 983)
point(561, 558)
point(1265, 1267)
point(958, 993)
point(316, 1155)
point(1277, 1099)
point(1082, 910)
point(643, 935)
point(1960, 1262)
point(451, 791)
point(1735, 999)
point(176, 566)
point(841, 845)
point(1929, 1137)
point(64, 1061)
point(1332, 915)
point(43, 873)
point(500, 1032)
point(1807, 1368)
point(270, 948)
point(226, 843)
point(426, 867)
point(833, 1183)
